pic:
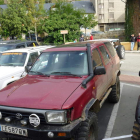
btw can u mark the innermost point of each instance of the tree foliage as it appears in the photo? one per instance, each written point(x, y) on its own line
point(89, 21)
point(63, 16)
point(35, 12)
point(129, 11)
point(1, 2)
point(13, 20)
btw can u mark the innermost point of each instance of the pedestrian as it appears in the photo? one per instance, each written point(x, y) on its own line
point(81, 38)
point(91, 37)
point(75, 40)
point(132, 40)
point(138, 41)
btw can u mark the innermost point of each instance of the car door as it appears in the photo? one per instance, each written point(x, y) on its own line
point(107, 64)
point(99, 80)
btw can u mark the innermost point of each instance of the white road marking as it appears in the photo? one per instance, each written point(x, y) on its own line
point(117, 138)
point(113, 116)
point(138, 86)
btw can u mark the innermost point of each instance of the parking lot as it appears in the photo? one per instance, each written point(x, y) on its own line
point(116, 121)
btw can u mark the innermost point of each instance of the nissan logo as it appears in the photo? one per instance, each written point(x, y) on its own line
point(19, 116)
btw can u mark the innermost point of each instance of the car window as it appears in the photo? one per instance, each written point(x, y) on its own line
point(110, 48)
point(96, 59)
point(32, 44)
point(20, 46)
point(13, 59)
point(33, 57)
point(104, 54)
point(6, 47)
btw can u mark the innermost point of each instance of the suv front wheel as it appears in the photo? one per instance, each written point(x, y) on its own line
point(88, 129)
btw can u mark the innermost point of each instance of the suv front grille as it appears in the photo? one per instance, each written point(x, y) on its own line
point(24, 116)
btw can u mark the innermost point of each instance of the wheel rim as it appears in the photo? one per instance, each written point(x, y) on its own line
point(91, 135)
point(122, 52)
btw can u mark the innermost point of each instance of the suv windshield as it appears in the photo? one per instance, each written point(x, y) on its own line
point(13, 59)
point(61, 63)
point(5, 48)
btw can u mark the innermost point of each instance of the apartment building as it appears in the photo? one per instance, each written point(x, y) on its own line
point(110, 14)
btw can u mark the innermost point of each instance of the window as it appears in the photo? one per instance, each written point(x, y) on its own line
point(13, 59)
point(101, 16)
point(96, 59)
point(111, 49)
point(62, 63)
point(111, 15)
point(31, 44)
point(111, 4)
point(33, 57)
point(104, 54)
point(101, 5)
point(20, 46)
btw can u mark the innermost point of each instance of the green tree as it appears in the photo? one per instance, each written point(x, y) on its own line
point(63, 16)
point(1, 2)
point(35, 13)
point(14, 20)
point(89, 21)
point(129, 12)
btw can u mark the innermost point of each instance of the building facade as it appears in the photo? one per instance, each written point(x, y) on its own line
point(110, 14)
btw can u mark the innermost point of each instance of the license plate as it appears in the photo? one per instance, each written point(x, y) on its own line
point(13, 130)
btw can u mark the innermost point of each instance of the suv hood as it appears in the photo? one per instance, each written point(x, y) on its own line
point(6, 71)
point(39, 92)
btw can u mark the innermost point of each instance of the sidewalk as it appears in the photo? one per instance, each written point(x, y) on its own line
point(130, 79)
point(132, 51)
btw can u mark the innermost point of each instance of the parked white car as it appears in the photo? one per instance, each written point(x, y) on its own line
point(13, 63)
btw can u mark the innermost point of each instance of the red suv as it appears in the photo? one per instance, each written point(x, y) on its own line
point(62, 93)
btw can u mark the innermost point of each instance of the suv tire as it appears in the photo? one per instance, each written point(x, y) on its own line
point(136, 131)
point(115, 93)
point(121, 51)
point(88, 129)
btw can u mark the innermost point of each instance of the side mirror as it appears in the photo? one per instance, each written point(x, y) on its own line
point(99, 70)
point(139, 73)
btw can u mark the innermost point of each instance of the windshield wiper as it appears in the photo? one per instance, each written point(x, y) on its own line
point(39, 73)
point(66, 73)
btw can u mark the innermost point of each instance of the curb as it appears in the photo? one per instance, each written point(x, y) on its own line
point(132, 51)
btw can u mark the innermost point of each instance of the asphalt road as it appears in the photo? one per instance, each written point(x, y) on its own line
point(131, 65)
point(116, 120)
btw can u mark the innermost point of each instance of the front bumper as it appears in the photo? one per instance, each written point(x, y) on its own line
point(41, 132)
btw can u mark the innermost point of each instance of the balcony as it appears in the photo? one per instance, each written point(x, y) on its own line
point(111, 20)
point(101, 11)
point(101, 21)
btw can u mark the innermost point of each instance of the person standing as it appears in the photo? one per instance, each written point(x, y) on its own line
point(132, 40)
point(81, 38)
point(91, 37)
point(138, 41)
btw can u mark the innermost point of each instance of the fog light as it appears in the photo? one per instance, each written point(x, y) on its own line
point(50, 134)
point(24, 122)
point(7, 119)
point(0, 116)
point(61, 134)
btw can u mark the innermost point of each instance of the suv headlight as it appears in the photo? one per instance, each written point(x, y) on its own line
point(56, 116)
